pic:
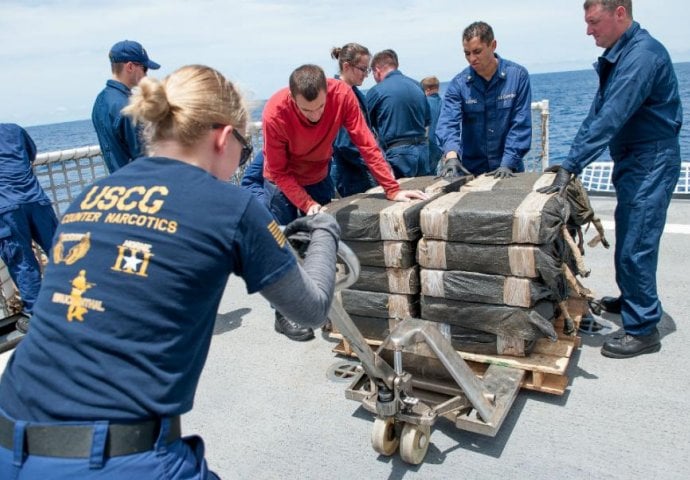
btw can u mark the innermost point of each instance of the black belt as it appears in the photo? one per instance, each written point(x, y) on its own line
point(406, 141)
point(74, 441)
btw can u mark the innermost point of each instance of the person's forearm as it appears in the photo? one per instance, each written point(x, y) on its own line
point(304, 294)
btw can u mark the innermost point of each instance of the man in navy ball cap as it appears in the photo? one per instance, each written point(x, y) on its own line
point(131, 51)
point(119, 139)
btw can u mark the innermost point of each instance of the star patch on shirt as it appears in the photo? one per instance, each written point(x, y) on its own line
point(133, 258)
point(277, 234)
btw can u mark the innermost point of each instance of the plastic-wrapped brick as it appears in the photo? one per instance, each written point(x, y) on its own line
point(495, 217)
point(384, 253)
point(391, 280)
point(380, 305)
point(484, 288)
point(503, 320)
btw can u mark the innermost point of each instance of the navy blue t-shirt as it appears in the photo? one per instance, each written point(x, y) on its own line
point(122, 326)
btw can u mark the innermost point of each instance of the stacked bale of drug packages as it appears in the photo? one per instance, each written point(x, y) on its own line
point(491, 263)
point(384, 234)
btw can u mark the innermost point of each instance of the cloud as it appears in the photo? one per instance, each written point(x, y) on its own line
point(54, 53)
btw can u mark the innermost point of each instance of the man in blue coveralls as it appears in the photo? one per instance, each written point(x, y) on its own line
point(119, 139)
point(637, 114)
point(430, 86)
point(25, 215)
point(486, 119)
point(399, 115)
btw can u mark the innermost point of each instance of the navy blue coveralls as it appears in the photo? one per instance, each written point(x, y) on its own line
point(349, 173)
point(117, 136)
point(488, 124)
point(25, 212)
point(399, 115)
point(638, 114)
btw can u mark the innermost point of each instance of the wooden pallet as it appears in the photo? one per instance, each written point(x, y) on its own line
point(545, 367)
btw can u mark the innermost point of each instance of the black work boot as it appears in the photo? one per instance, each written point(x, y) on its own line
point(22, 324)
point(626, 345)
point(292, 330)
point(611, 304)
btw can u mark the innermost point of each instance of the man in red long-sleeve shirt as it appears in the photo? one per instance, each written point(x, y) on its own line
point(300, 124)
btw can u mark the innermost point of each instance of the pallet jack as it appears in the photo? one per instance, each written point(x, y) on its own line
point(416, 377)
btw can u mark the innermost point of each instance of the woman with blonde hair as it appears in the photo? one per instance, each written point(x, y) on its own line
point(100, 395)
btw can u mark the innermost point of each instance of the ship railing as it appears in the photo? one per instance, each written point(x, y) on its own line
point(537, 159)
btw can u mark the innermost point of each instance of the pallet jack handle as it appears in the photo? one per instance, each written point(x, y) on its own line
point(374, 365)
point(405, 334)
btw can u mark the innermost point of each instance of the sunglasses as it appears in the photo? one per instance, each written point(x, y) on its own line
point(143, 67)
point(364, 70)
point(247, 147)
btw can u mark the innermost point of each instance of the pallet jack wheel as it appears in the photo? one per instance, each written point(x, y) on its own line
point(414, 443)
point(383, 437)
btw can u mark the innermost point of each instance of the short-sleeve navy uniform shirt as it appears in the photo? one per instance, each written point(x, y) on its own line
point(124, 319)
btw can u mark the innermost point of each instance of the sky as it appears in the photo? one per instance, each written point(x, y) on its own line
point(54, 54)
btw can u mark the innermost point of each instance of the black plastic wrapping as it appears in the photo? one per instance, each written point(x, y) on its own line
point(531, 261)
point(429, 184)
point(380, 305)
point(391, 280)
point(484, 288)
point(495, 217)
point(384, 253)
point(523, 323)
point(373, 217)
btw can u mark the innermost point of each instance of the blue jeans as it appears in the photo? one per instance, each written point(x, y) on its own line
point(284, 211)
point(17, 229)
point(644, 176)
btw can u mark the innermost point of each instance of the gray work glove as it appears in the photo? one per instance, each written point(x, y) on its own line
point(309, 223)
point(560, 183)
point(452, 167)
point(502, 172)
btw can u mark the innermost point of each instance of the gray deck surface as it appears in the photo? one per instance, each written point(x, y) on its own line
point(267, 409)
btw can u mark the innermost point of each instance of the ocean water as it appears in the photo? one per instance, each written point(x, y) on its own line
point(570, 95)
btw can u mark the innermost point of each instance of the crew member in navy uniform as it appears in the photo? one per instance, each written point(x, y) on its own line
point(636, 113)
point(485, 124)
point(123, 323)
point(25, 215)
point(400, 116)
point(119, 140)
